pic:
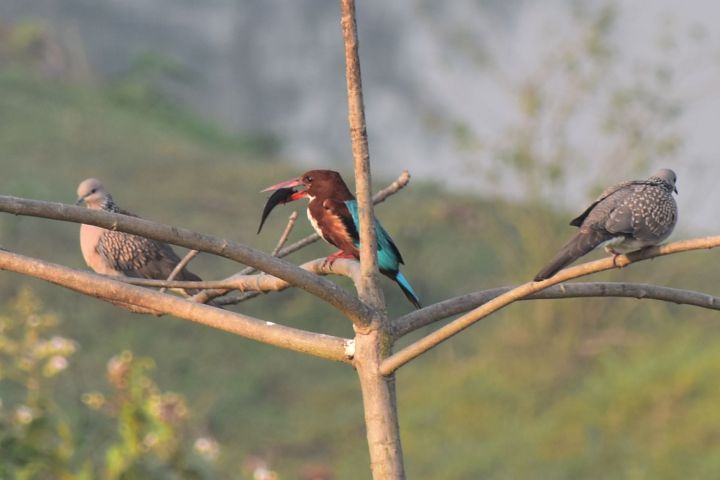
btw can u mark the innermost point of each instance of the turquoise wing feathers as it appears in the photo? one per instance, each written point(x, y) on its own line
point(388, 255)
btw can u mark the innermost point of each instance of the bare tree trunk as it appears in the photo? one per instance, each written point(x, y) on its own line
point(372, 342)
point(379, 402)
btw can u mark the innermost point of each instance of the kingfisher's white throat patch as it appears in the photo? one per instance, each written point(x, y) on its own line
point(314, 223)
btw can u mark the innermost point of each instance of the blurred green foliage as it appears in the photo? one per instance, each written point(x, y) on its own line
point(152, 436)
point(152, 439)
point(35, 438)
point(595, 388)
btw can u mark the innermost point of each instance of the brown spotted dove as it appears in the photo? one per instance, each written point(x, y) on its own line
point(626, 217)
point(110, 252)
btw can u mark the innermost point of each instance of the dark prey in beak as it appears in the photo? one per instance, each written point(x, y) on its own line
point(279, 196)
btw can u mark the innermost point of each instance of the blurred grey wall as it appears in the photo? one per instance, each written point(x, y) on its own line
point(429, 69)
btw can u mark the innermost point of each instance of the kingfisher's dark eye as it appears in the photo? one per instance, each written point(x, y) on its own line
point(93, 190)
point(307, 179)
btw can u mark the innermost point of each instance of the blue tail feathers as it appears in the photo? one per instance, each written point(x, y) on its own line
point(407, 289)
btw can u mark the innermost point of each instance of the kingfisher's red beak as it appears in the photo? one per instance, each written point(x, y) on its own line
point(288, 184)
point(295, 182)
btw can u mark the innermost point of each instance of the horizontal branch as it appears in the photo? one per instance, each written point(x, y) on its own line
point(419, 347)
point(340, 298)
point(110, 289)
point(453, 306)
point(259, 283)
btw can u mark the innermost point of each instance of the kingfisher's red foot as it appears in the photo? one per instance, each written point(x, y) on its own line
point(331, 258)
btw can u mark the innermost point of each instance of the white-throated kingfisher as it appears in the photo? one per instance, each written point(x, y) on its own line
point(333, 213)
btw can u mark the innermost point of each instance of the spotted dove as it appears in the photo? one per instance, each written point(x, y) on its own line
point(110, 252)
point(624, 218)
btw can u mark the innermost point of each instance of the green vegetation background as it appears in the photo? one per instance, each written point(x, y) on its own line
point(595, 388)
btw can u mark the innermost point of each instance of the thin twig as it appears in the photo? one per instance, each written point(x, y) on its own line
point(235, 299)
point(286, 233)
point(262, 282)
point(421, 346)
point(206, 295)
point(393, 188)
point(182, 264)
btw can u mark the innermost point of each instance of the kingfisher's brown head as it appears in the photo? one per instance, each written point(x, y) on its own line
point(317, 184)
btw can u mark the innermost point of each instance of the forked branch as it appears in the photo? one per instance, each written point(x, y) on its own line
point(181, 264)
point(210, 293)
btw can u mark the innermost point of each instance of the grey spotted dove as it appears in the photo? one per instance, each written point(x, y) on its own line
point(110, 252)
point(626, 217)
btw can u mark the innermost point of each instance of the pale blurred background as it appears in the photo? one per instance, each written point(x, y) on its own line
point(510, 115)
